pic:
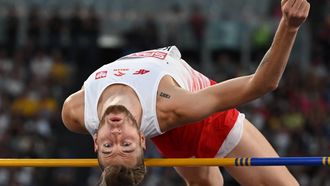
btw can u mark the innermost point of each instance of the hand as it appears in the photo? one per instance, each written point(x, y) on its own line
point(295, 12)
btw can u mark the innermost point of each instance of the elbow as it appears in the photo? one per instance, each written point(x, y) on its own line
point(69, 122)
point(272, 87)
point(265, 89)
point(70, 119)
point(68, 116)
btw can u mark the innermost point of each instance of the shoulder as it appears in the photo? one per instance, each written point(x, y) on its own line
point(169, 94)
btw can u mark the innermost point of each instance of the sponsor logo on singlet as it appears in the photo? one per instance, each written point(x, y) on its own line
point(141, 72)
point(101, 74)
point(120, 71)
point(155, 54)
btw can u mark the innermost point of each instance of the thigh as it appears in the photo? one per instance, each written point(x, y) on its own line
point(201, 176)
point(254, 144)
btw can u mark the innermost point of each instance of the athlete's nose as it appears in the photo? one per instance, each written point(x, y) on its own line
point(115, 130)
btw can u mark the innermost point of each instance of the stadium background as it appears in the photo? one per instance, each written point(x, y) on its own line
point(49, 47)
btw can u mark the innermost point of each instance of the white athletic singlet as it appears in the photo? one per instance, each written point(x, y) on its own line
point(142, 72)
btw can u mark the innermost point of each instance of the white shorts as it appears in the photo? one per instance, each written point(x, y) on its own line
point(233, 138)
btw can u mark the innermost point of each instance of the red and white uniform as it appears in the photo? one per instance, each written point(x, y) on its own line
point(143, 71)
point(214, 136)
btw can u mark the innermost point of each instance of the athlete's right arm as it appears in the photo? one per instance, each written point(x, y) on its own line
point(73, 112)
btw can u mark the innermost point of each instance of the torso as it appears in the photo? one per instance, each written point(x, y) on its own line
point(163, 108)
point(151, 75)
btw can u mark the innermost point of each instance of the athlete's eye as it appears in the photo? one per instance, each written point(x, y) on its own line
point(107, 145)
point(126, 144)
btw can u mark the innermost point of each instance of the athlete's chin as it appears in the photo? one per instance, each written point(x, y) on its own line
point(116, 109)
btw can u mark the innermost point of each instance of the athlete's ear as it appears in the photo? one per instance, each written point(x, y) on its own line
point(143, 141)
point(96, 147)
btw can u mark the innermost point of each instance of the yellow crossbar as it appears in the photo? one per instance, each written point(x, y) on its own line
point(152, 162)
point(175, 162)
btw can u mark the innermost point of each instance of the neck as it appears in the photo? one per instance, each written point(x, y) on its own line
point(120, 95)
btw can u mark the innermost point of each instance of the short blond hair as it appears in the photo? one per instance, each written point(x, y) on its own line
point(120, 175)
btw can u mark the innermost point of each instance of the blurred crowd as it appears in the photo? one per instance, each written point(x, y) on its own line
point(46, 54)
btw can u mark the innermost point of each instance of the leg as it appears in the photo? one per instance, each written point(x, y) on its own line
point(201, 176)
point(254, 144)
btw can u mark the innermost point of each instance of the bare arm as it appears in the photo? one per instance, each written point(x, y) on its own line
point(190, 107)
point(73, 112)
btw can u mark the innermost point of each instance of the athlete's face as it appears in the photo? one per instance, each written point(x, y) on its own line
point(118, 140)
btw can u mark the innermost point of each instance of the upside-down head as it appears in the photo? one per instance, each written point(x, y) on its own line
point(120, 148)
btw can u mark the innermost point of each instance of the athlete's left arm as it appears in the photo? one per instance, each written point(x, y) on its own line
point(187, 106)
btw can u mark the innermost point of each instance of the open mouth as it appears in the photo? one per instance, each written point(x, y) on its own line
point(115, 118)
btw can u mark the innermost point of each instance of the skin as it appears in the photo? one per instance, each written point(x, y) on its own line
point(172, 112)
point(118, 140)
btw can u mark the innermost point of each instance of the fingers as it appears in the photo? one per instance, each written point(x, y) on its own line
point(296, 7)
point(287, 2)
point(306, 9)
point(302, 9)
point(297, 4)
point(299, 8)
point(291, 2)
point(295, 12)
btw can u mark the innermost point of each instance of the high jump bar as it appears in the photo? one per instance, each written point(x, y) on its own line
point(174, 162)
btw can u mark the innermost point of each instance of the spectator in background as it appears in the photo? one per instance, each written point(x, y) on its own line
point(198, 23)
point(173, 21)
point(12, 24)
point(90, 29)
point(323, 38)
point(150, 33)
point(34, 27)
point(88, 49)
point(92, 26)
point(261, 38)
point(55, 26)
point(144, 35)
point(41, 65)
point(60, 71)
point(75, 32)
point(14, 74)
